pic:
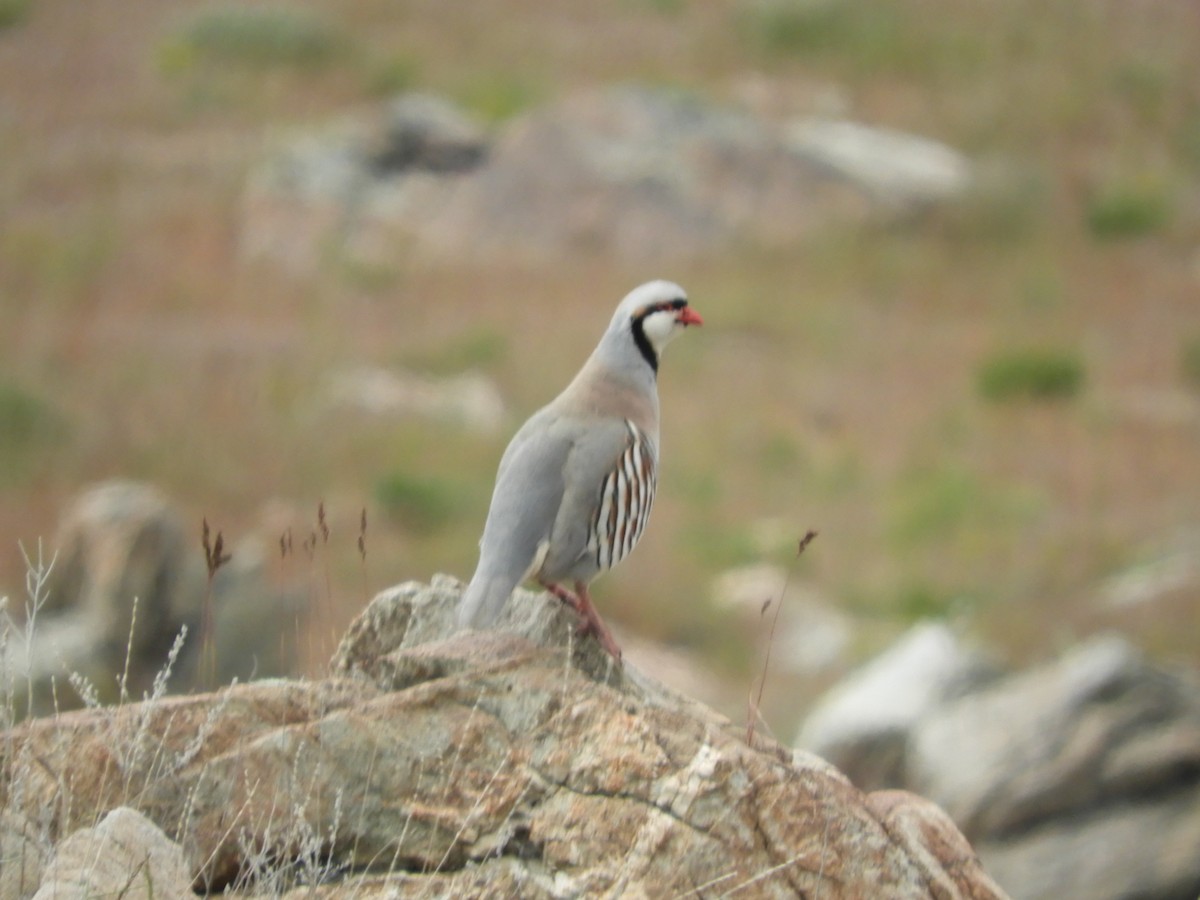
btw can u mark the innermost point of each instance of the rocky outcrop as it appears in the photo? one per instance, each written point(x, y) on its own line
point(515, 762)
point(120, 586)
point(864, 723)
point(1079, 778)
point(901, 171)
point(125, 855)
point(359, 183)
point(635, 172)
point(127, 579)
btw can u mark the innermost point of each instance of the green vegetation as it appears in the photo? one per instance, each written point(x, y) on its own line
point(252, 36)
point(477, 348)
point(14, 12)
point(1032, 374)
point(422, 504)
point(1145, 84)
point(662, 7)
point(1127, 208)
point(952, 504)
point(391, 75)
point(1189, 361)
point(499, 96)
point(870, 37)
point(29, 426)
point(923, 601)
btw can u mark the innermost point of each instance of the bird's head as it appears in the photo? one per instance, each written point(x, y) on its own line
point(653, 314)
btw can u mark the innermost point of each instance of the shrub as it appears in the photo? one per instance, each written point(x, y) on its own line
point(391, 75)
point(787, 28)
point(423, 504)
point(14, 12)
point(1128, 208)
point(478, 348)
point(872, 37)
point(497, 97)
point(1031, 374)
point(253, 36)
point(27, 424)
point(1189, 360)
point(919, 601)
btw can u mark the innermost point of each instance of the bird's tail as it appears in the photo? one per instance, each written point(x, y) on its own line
point(483, 601)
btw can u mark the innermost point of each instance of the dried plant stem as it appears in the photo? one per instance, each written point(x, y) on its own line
point(214, 557)
point(754, 703)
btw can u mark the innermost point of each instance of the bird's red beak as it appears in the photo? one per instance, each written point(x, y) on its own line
point(688, 316)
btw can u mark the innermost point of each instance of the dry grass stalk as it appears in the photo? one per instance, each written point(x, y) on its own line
point(754, 702)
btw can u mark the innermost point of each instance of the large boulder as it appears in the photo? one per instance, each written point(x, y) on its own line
point(360, 183)
point(862, 725)
point(127, 582)
point(636, 172)
point(520, 761)
point(902, 172)
point(112, 599)
point(642, 174)
point(1077, 778)
point(125, 855)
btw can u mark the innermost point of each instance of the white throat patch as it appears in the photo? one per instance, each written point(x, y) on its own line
point(660, 327)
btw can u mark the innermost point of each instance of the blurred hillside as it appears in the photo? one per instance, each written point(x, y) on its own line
point(989, 412)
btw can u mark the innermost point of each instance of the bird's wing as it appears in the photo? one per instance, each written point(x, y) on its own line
point(525, 503)
point(594, 457)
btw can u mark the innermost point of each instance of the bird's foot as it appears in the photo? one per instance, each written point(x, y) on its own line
point(593, 624)
point(565, 596)
point(590, 621)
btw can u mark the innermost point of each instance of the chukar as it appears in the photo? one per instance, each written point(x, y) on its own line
point(575, 485)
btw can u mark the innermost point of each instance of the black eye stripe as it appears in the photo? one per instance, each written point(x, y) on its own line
point(666, 306)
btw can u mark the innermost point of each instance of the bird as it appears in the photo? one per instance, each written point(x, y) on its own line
point(575, 485)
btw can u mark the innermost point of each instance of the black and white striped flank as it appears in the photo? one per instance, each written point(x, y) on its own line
point(625, 500)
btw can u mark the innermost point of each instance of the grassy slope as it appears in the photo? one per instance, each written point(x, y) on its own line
point(137, 344)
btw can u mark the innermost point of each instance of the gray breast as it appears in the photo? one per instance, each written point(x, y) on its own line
point(625, 500)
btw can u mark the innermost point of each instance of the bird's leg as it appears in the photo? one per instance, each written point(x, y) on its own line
point(593, 623)
point(590, 622)
point(565, 596)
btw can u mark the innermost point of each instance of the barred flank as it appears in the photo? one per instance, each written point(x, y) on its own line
point(625, 500)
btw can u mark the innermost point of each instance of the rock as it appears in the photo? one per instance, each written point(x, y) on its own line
point(1078, 778)
point(470, 399)
point(122, 584)
point(423, 132)
point(118, 541)
point(127, 583)
point(360, 183)
point(1175, 572)
point(686, 671)
point(638, 173)
point(901, 171)
point(519, 761)
point(863, 724)
point(257, 625)
point(635, 172)
point(1096, 725)
point(23, 852)
point(125, 856)
point(1144, 849)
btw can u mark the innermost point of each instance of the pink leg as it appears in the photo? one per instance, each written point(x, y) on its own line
point(564, 595)
point(581, 602)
